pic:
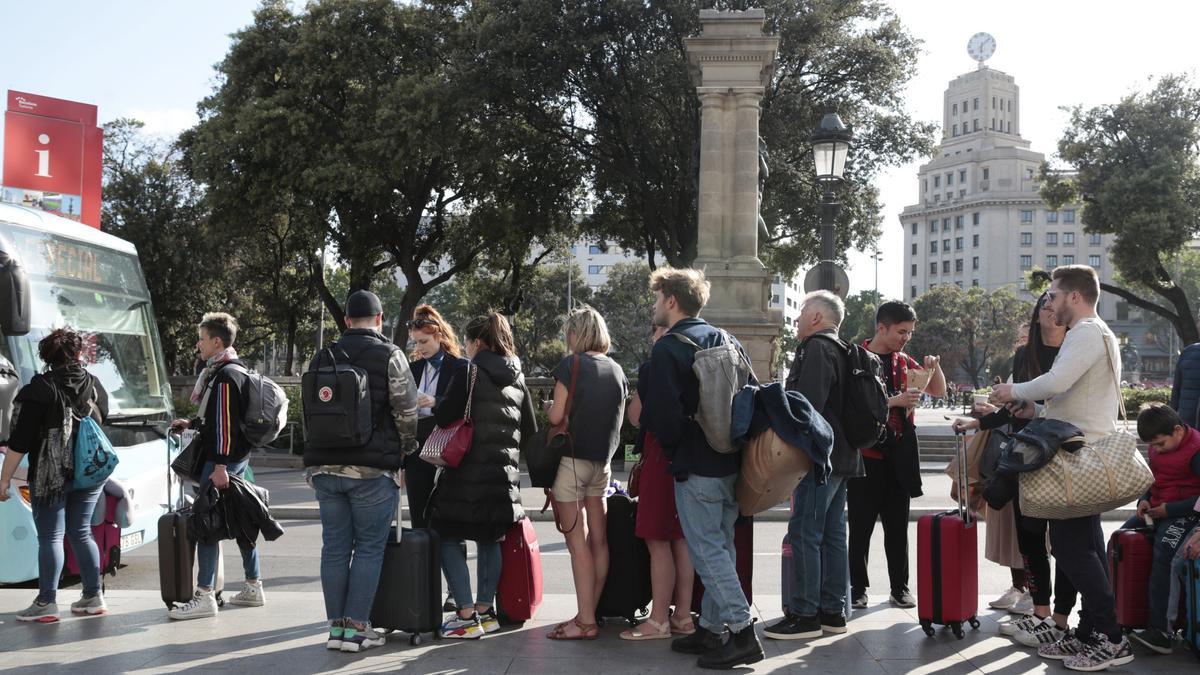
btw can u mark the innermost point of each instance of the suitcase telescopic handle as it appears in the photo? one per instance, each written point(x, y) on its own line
point(964, 491)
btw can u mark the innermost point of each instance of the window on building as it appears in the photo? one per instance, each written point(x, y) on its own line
point(1026, 216)
point(1094, 239)
point(945, 245)
point(1010, 105)
point(962, 193)
point(974, 241)
point(954, 129)
point(1028, 173)
point(986, 171)
point(949, 179)
point(993, 103)
point(964, 107)
point(595, 269)
point(774, 299)
point(945, 224)
point(975, 218)
point(1068, 260)
point(993, 124)
point(914, 228)
point(594, 249)
point(975, 262)
point(933, 247)
point(937, 181)
point(1026, 263)
point(1068, 238)
point(1094, 261)
point(962, 175)
point(958, 222)
point(954, 108)
point(945, 267)
point(1023, 284)
point(975, 124)
point(958, 265)
point(912, 292)
point(1069, 216)
point(925, 185)
point(1051, 216)
point(937, 198)
point(1051, 262)
point(958, 243)
point(974, 282)
point(1027, 239)
point(1008, 127)
point(933, 268)
point(1052, 239)
point(933, 225)
point(914, 248)
point(958, 283)
point(976, 103)
point(949, 196)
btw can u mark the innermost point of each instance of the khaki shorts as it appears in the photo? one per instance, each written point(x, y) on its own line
point(588, 479)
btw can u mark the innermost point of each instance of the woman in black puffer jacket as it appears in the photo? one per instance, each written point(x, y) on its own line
point(481, 498)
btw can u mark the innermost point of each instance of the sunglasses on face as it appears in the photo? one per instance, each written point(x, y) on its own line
point(420, 323)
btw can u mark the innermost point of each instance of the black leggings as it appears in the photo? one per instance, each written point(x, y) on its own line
point(1031, 540)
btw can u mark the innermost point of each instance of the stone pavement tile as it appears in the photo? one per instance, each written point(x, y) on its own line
point(947, 665)
point(832, 647)
point(53, 661)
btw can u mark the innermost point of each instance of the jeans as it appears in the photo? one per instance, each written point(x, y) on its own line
point(356, 521)
point(817, 535)
point(1079, 547)
point(878, 496)
point(707, 510)
point(72, 516)
point(206, 554)
point(1169, 535)
point(458, 577)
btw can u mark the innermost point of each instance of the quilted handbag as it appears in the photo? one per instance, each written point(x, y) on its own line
point(1092, 480)
point(447, 446)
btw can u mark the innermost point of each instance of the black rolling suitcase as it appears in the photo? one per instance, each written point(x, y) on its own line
point(175, 550)
point(409, 596)
point(627, 590)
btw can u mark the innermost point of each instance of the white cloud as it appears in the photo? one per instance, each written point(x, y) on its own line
point(164, 122)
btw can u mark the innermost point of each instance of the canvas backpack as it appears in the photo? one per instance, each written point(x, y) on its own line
point(337, 403)
point(264, 411)
point(722, 372)
point(864, 398)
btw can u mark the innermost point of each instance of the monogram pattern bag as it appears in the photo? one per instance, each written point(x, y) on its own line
point(447, 446)
point(1094, 479)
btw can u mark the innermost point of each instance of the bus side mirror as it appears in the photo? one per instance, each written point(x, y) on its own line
point(14, 295)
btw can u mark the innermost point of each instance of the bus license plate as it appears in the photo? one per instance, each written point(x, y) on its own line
point(131, 540)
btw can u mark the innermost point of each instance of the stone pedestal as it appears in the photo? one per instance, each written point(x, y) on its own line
point(732, 62)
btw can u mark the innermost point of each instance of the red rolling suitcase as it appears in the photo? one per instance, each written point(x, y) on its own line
point(743, 543)
point(947, 563)
point(520, 591)
point(1130, 557)
point(108, 541)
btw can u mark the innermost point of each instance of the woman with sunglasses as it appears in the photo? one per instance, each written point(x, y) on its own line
point(437, 360)
point(1037, 627)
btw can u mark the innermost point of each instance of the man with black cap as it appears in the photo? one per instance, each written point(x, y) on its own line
point(357, 487)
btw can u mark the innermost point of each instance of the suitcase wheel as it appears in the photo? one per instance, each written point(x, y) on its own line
point(927, 626)
point(957, 628)
point(974, 623)
point(415, 640)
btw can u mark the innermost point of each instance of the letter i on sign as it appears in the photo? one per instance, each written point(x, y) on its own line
point(43, 157)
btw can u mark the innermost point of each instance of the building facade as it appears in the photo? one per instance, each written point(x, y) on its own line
point(979, 219)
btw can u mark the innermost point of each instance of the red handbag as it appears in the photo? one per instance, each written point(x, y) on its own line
point(447, 446)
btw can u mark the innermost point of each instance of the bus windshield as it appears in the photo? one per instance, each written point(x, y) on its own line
point(101, 293)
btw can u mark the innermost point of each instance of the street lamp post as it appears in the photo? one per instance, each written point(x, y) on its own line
point(831, 144)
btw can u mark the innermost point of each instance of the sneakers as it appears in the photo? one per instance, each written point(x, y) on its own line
point(203, 604)
point(1010, 628)
point(337, 630)
point(1067, 646)
point(1006, 599)
point(356, 639)
point(449, 605)
point(903, 599)
point(1043, 632)
point(1100, 653)
point(1022, 606)
point(858, 600)
point(833, 623)
point(489, 621)
point(463, 629)
point(250, 596)
point(741, 649)
point(39, 612)
point(90, 606)
point(1155, 640)
point(793, 627)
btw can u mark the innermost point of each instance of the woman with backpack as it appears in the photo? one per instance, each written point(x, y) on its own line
point(671, 571)
point(480, 499)
point(45, 431)
point(595, 388)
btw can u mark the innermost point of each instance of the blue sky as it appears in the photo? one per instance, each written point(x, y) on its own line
point(154, 61)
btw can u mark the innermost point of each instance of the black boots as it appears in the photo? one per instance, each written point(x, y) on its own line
point(700, 642)
point(740, 649)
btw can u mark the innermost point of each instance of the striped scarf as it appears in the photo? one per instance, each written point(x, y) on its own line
point(210, 368)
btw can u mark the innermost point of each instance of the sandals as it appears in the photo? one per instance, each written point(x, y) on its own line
point(662, 631)
point(688, 627)
point(587, 631)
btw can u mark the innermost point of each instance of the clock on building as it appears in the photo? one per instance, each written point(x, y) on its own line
point(981, 46)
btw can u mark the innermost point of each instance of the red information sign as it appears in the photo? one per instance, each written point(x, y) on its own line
point(52, 156)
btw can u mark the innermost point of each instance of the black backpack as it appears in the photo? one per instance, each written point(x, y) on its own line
point(337, 403)
point(864, 398)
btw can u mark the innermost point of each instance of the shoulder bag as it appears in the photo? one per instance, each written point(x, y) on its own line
point(447, 446)
point(553, 442)
point(1092, 480)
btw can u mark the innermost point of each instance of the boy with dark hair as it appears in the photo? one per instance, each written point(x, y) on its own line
point(893, 467)
point(1169, 505)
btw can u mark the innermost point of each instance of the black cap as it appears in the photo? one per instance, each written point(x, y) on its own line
point(362, 304)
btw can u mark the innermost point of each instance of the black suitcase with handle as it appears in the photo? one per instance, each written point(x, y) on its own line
point(409, 595)
point(626, 592)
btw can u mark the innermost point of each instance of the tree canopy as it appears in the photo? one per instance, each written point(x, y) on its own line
point(972, 329)
point(1136, 172)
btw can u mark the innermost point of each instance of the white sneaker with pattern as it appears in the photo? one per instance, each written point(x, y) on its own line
point(251, 595)
point(203, 604)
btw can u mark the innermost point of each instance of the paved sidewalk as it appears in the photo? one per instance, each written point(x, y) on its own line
point(286, 636)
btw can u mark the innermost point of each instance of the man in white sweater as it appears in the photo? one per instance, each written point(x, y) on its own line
point(1082, 387)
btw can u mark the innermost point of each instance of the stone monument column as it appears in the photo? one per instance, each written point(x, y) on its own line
point(732, 62)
